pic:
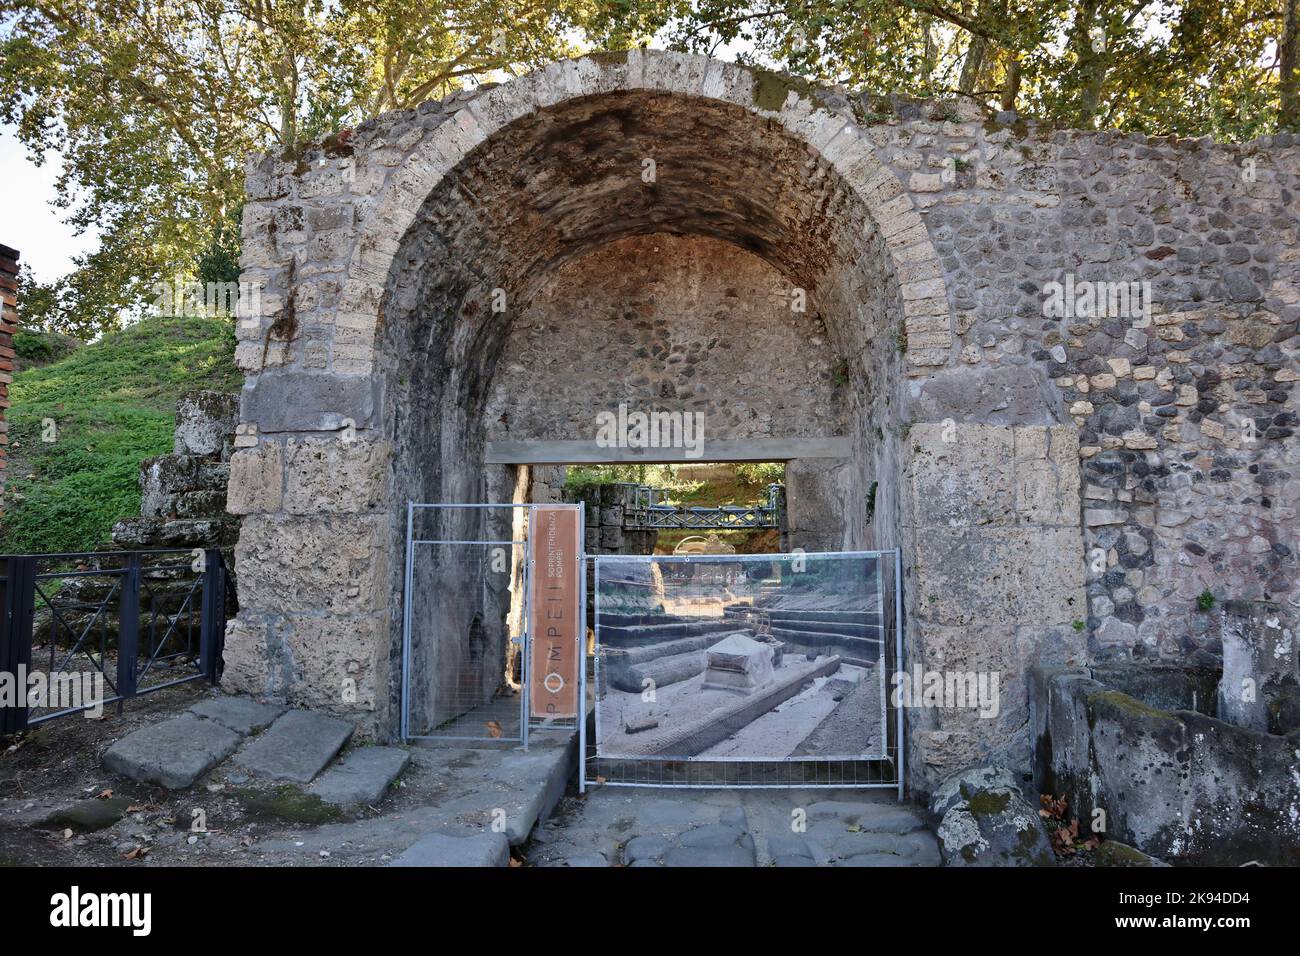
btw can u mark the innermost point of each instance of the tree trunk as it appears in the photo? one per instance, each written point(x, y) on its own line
point(1288, 117)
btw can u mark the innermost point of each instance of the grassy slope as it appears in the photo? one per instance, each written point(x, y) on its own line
point(114, 402)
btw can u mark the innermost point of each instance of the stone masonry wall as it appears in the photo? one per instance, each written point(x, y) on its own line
point(927, 234)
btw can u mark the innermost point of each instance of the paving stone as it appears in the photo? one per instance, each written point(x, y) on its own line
point(921, 848)
point(789, 844)
point(436, 849)
point(793, 861)
point(296, 747)
point(588, 859)
point(713, 834)
point(362, 776)
point(241, 714)
point(173, 753)
point(709, 856)
point(668, 813)
point(644, 848)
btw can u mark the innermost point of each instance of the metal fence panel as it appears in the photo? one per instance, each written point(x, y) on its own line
point(89, 629)
point(465, 633)
point(746, 670)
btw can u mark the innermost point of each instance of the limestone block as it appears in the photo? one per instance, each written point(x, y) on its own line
point(961, 475)
point(285, 401)
point(335, 661)
point(331, 564)
point(335, 475)
point(256, 479)
point(999, 575)
point(738, 663)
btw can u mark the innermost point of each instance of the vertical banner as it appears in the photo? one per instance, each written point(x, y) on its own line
point(554, 587)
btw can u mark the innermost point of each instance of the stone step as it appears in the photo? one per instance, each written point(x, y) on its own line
point(297, 747)
point(854, 649)
point(643, 634)
point(437, 849)
point(362, 776)
point(173, 753)
point(241, 714)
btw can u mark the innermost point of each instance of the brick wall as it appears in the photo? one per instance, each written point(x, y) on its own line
point(8, 325)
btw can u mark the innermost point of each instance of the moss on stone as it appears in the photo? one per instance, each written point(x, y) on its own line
point(771, 89)
point(287, 803)
point(609, 57)
point(1124, 702)
point(987, 803)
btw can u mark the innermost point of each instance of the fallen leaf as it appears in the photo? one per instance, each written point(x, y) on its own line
point(138, 853)
point(104, 794)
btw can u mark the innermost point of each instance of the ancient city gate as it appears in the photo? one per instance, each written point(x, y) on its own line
point(452, 295)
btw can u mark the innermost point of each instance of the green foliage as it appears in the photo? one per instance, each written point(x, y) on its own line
point(760, 472)
point(112, 404)
point(33, 347)
point(1204, 600)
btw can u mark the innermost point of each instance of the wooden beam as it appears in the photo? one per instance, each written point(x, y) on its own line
point(588, 452)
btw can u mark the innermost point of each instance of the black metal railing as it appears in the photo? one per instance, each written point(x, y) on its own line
point(643, 512)
point(81, 631)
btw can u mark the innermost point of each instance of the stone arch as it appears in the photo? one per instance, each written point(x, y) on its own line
point(403, 358)
point(836, 138)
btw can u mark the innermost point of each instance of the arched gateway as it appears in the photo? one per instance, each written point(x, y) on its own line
point(452, 293)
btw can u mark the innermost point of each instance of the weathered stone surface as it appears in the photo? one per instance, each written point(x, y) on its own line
point(988, 822)
point(1178, 785)
point(335, 476)
point(292, 401)
point(256, 479)
point(173, 753)
point(239, 714)
point(486, 849)
point(1112, 853)
point(1259, 660)
point(297, 746)
point(86, 816)
point(362, 776)
point(338, 563)
point(205, 422)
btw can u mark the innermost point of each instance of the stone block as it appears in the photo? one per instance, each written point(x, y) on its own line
point(335, 475)
point(256, 479)
point(205, 423)
point(240, 714)
point(436, 849)
point(173, 753)
point(1004, 576)
point(334, 564)
point(289, 401)
point(297, 746)
point(362, 776)
point(961, 475)
point(738, 663)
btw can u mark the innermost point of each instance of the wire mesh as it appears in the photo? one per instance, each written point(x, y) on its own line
point(466, 622)
point(745, 671)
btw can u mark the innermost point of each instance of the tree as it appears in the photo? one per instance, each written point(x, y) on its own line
point(154, 104)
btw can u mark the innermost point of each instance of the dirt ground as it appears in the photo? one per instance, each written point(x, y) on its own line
point(58, 763)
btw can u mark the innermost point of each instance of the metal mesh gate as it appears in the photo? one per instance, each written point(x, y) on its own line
point(467, 618)
point(768, 670)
